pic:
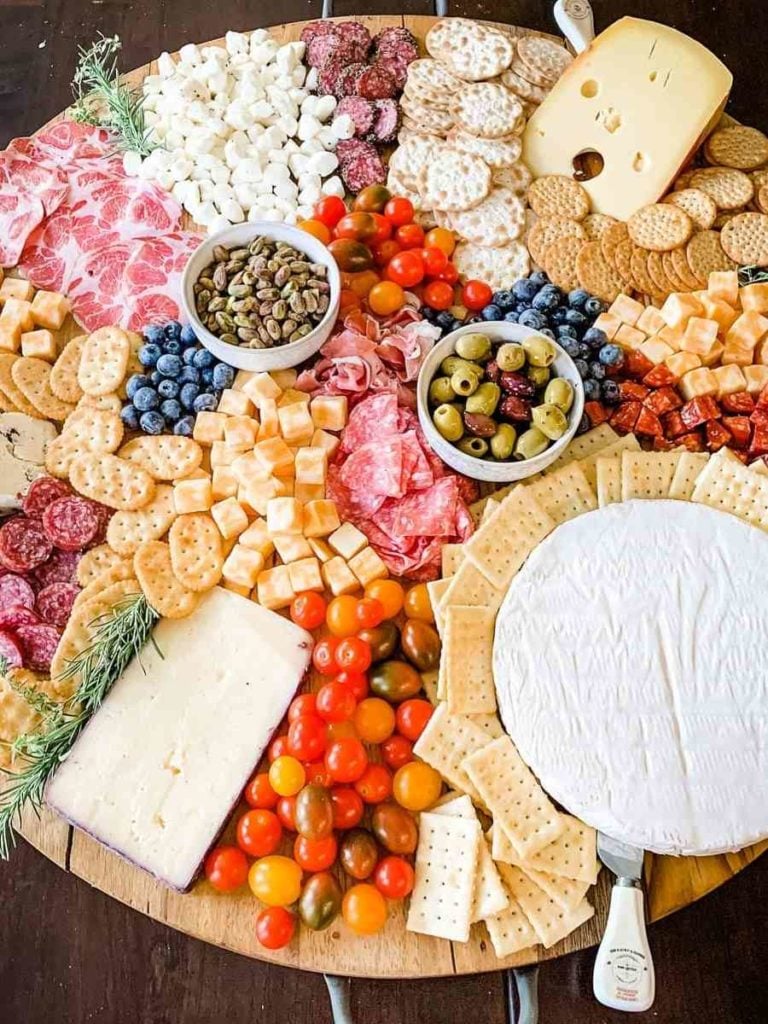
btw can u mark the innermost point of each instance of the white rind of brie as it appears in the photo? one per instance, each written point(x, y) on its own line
point(23, 441)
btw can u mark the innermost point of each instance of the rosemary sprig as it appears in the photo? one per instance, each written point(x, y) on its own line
point(102, 99)
point(753, 275)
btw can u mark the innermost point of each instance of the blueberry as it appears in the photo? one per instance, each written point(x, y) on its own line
point(428, 313)
point(532, 318)
point(189, 375)
point(136, 381)
point(130, 417)
point(155, 378)
point(146, 399)
point(584, 425)
point(557, 315)
point(154, 334)
point(173, 330)
point(206, 376)
point(187, 336)
point(169, 366)
point(203, 358)
point(188, 355)
point(491, 312)
point(188, 394)
point(575, 318)
point(444, 319)
point(538, 278)
point(524, 290)
point(172, 348)
point(223, 376)
point(546, 299)
point(149, 354)
point(595, 338)
point(204, 403)
point(505, 299)
point(582, 367)
point(511, 317)
point(171, 409)
point(152, 423)
point(593, 307)
point(571, 346)
point(591, 390)
point(585, 352)
point(597, 371)
point(548, 332)
point(611, 355)
point(566, 331)
point(577, 298)
point(168, 388)
point(609, 391)
point(184, 426)
point(521, 307)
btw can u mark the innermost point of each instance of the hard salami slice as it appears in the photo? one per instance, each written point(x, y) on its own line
point(20, 214)
point(328, 76)
point(386, 123)
point(15, 615)
point(38, 645)
point(363, 170)
point(377, 83)
point(43, 492)
point(71, 523)
point(23, 544)
point(323, 48)
point(357, 39)
point(16, 590)
point(316, 28)
point(348, 79)
point(104, 514)
point(10, 649)
point(61, 567)
point(54, 602)
point(362, 112)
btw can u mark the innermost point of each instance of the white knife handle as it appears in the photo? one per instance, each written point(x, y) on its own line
point(574, 19)
point(623, 977)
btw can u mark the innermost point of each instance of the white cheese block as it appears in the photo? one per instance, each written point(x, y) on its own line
point(157, 771)
point(631, 667)
point(22, 454)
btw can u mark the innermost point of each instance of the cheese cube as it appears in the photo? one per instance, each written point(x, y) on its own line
point(338, 577)
point(269, 425)
point(49, 309)
point(682, 362)
point(248, 469)
point(241, 379)
point(722, 312)
point(347, 540)
point(747, 330)
point(367, 566)
point(257, 536)
point(259, 387)
point(236, 588)
point(192, 495)
point(285, 515)
point(291, 396)
point(697, 383)
point(609, 323)
point(311, 465)
point(285, 487)
point(257, 494)
point(714, 356)
point(756, 378)
point(39, 345)
point(223, 483)
point(17, 312)
point(724, 285)
point(284, 378)
point(209, 427)
point(679, 307)
point(273, 588)
point(650, 321)
point(291, 546)
point(730, 380)
point(229, 515)
point(240, 431)
point(321, 549)
point(235, 403)
point(672, 336)
point(329, 412)
point(753, 297)
point(308, 492)
point(304, 574)
point(275, 454)
point(322, 439)
point(10, 337)
point(295, 423)
point(320, 518)
point(700, 336)
point(196, 474)
point(626, 309)
point(656, 350)
point(629, 337)
point(222, 454)
point(16, 288)
point(242, 566)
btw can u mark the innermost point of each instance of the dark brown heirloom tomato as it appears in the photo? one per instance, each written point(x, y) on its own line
point(395, 828)
point(320, 901)
point(358, 853)
point(374, 198)
point(313, 812)
point(395, 681)
point(361, 227)
point(383, 640)
point(350, 255)
point(421, 644)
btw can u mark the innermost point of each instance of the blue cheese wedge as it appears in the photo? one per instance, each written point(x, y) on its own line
point(22, 454)
point(159, 768)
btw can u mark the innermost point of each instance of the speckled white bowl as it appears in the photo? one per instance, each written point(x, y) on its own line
point(480, 469)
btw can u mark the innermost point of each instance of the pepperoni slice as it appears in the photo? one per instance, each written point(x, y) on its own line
point(16, 590)
point(10, 650)
point(23, 544)
point(42, 493)
point(71, 523)
point(54, 602)
point(38, 645)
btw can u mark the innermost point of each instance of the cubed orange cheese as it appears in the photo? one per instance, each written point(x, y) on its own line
point(322, 439)
point(697, 383)
point(756, 378)
point(10, 337)
point(338, 577)
point(295, 423)
point(629, 337)
point(39, 345)
point(304, 574)
point(714, 356)
point(241, 379)
point(49, 309)
point(285, 486)
point(258, 494)
point(308, 492)
point(650, 321)
point(222, 454)
point(329, 412)
point(679, 307)
point(753, 297)
point(721, 312)
point(248, 469)
point(242, 566)
point(273, 588)
point(347, 540)
point(17, 312)
point(291, 546)
point(229, 515)
point(656, 350)
point(738, 352)
point(609, 323)
point(672, 336)
point(275, 454)
point(747, 330)
point(223, 483)
point(291, 396)
point(724, 285)
point(311, 465)
point(235, 403)
point(284, 378)
point(368, 566)
point(192, 495)
point(321, 549)
point(209, 427)
point(257, 536)
point(285, 515)
point(627, 309)
point(16, 288)
point(240, 430)
point(321, 518)
point(682, 362)
point(260, 386)
point(730, 380)
point(700, 335)
point(269, 425)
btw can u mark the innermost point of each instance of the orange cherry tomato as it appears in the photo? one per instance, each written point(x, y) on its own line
point(390, 593)
point(348, 301)
point(438, 295)
point(286, 812)
point(417, 604)
point(315, 854)
point(277, 748)
point(226, 868)
point(341, 616)
point(347, 807)
point(364, 909)
point(259, 832)
point(384, 251)
point(362, 283)
point(416, 786)
point(324, 655)
point(374, 720)
point(335, 702)
point(304, 704)
point(449, 274)
point(356, 681)
point(435, 260)
point(329, 210)
point(412, 717)
point(353, 655)
point(393, 877)
point(259, 792)
point(317, 229)
point(369, 612)
point(275, 880)
point(308, 609)
point(410, 236)
point(441, 238)
point(396, 751)
point(476, 294)
point(399, 211)
point(346, 759)
point(386, 297)
point(286, 775)
point(375, 784)
point(275, 927)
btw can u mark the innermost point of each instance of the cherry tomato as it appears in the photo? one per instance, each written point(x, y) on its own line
point(390, 593)
point(394, 828)
point(359, 226)
point(308, 609)
point(317, 772)
point(441, 238)
point(410, 236)
point(435, 260)
point(304, 704)
point(421, 644)
point(406, 269)
point(357, 683)
point(226, 868)
point(353, 655)
point(286, 775)
point(386, 297)
point(395, 681)
point(384, 251)
point(351, 256)
point(275, 880)
point(374, 197)
point(362, 283)
point(397, 751)
point(306, 738)
point(275, 927)
point(314, 854)
point(383, 230)
point(374, 720)
point(259, 792)
point(286, 812)
point(346, 759)
point(412, 717)
point(358, 853)
point(438, 295)
point(278, 747)
point(313, 812)
point(383, 639)
point(417, 604)
point(393, 877)
point(341, 617)
point(364, 909)
point(259, 832)
point(416, 786)
point(335, 702)
point(375, 784)
point(348, 301)
point(330, 210)
point(476, 294)
point(449, 274)
point(399, 211)
point(324, 655)
point(317, 229)
point(340, 731)
point(347, 807)
point(320, 901)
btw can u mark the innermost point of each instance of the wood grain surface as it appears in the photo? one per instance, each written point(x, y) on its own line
point(33, 86)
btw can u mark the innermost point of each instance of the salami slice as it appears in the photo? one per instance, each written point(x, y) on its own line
point(14, 615)
point(357, 39)
point(16, 590)
point(61, 567)
point(362, 112)
point(43, 492)
point(71, 523)
point(328, 77)
point(377, 83)
point(38, 645)
point(316, 28)
point(10, 649)
point(104, 514)
point(348, 79)
point(23, 544)
point(396, 41)
point(54, 603)
point(363, 170)
point(323, 47)
point(386, 122)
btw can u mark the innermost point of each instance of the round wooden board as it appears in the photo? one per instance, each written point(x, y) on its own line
point(228, 920)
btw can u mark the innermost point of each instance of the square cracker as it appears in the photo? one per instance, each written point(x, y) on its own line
point(572, 855)
point(628, 443)
point(566, 892)
point(504, 541)
point(470, 587)
point(550, 922)
point(729, 486)
point(687, 470)
point(514, 797)
point(565, 494)
point(647, 474)
point(586, 445)
point(447, 739)
point(511, 931)
point(477, 507)
point(436, 590)
point(608, 472)
point(467, 653)
point(452, 557)
point(491, 506)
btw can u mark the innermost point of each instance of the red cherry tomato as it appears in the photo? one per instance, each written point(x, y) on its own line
point(399, 210)
point(476, 294)
point(383, 230)
point(449, 274)
point(346, 759)
point(435, 260)
point(375, 784)
point(308, 610)
point(393, 877)
point(306, 737)
point(277, 748)
point(335, 702)
point(286, 812)
point(226, 868)
point(438, 295)
point(314, 854)
point(397, 751)
point(356, 681)
point(412, 717)
point(353, 654)
point(324, 655)
point(275, 925)
point(406, 269)
point(259, 792)
point(347, 807)
point(384, 251)
point(369, 612)
point(330, 210)
point(410, 236)
point(317, 772)
point(304, 704)
point(259, 833)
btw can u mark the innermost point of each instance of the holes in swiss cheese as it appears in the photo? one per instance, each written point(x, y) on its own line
point(587, 165)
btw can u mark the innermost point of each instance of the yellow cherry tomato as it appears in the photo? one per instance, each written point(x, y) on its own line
point(341, 615)
point(374, 720)
point(386, 297)
point(362, 283)
point(275, 880)
point(390, 593)
point(417, 604)
point(287, 775)
point(317, 229)
point(416, 786)
point(341, 730)
point(440, 238)
point(364, 909)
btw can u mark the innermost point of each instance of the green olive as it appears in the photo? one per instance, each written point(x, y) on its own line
point(503, 441)
point(451, 364)
point(540, 350)
point(560, 393)
point(464, 382)
point(475, 446)
point(531, 443)
point(440, 391)
point(485, 399)
point(540, 375)
point(550, 420)
point(473, 346)
point(510, 357)
point(447, 420)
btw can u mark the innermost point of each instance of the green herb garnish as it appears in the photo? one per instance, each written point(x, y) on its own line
point(753, 275)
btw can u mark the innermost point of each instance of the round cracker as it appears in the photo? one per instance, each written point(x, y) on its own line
point(560, 262)
point(658, 275)
point(683, 269)
point(611, 238)
point(660, 226)
point(745, 239)
point(555, 195)
point(548, 58)
point(497, 153)
point(434, 118)
point(705, 254)
point(469, 49)
point(700, 207)
point(638, 262)
point(530, 73)
point(728, 187)
point(457, 181)
point(548, 230)
point(677, 282)
point(411, 157)
point(623, 262)
point(595, 224)
point(498, 267)
point(517, 177)
point(429, 79)
point(488, 110)
point(737, 146)
point(497, 220)
point(596, 274)
point(523, 88)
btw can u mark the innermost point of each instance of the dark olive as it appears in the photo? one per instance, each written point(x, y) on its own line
point(517, 384)
point(516, 409)
point(479, 424)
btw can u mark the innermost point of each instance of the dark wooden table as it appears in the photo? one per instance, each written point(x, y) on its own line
point(69, 954)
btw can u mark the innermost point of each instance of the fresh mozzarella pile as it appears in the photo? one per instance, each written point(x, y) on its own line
point(240, 134)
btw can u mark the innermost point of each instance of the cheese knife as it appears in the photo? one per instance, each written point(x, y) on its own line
point(623, 976)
